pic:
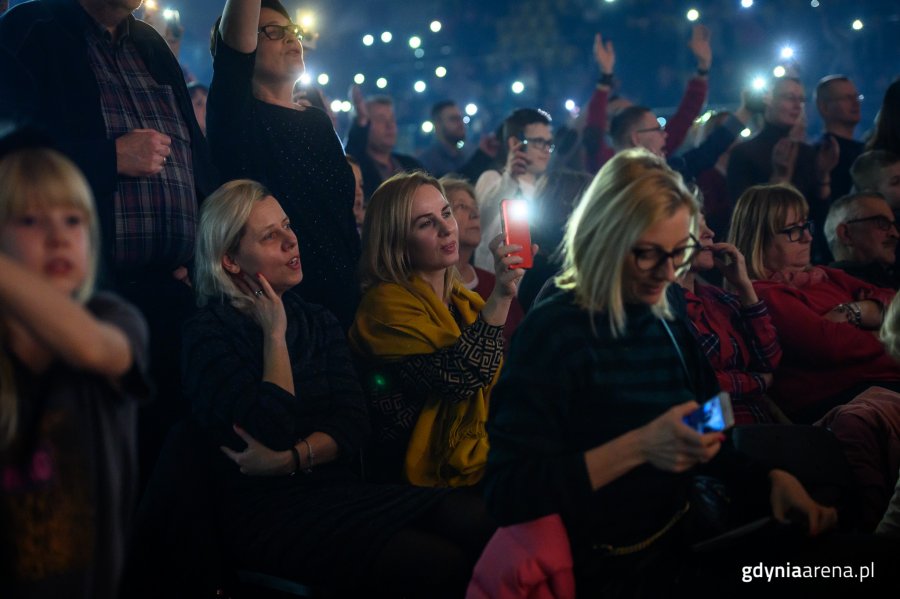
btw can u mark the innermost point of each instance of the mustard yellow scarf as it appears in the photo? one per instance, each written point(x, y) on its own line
point(449, 444)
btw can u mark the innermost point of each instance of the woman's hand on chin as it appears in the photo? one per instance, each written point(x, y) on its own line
point(266, 307)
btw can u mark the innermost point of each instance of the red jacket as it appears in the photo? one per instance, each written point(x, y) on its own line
point(823, 358)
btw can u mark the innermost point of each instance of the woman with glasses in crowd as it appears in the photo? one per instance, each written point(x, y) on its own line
point(587, 418)
point(826, 319)
point(733, 327)
point(256, 131)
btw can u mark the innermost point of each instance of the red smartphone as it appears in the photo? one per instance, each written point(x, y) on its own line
point(516, 229)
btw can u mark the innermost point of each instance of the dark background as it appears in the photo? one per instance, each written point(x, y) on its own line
point(485, 45)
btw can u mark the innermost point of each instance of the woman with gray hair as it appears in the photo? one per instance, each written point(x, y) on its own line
point(272, 382)
point(590, 406)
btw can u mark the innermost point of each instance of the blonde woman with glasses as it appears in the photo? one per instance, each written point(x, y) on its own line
point(587, 418)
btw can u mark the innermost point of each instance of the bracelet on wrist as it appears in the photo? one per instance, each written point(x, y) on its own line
point(605, 79)
point(702, 72)
point(310, 457)
point(853, 313)
point(295, 456)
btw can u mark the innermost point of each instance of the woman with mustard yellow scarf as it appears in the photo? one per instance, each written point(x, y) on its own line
point(430, 348)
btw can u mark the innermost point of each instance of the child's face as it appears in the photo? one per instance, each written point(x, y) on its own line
point(53, 243)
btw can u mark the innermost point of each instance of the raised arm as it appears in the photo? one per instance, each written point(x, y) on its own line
point(61, 324)
point(595, 128)
point(240, 22)
point(695, 95)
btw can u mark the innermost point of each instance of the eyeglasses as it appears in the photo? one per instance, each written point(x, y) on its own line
point(657, 129)
point(795, 232)
point(651, 259)
point(277, 32)
point(540, 143)
point(881, 222)
point(848, 98)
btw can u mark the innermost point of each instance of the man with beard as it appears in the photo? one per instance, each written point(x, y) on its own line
point(862, 235)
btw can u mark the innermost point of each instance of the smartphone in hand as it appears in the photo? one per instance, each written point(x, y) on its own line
point(714, 415)
point(516, 229)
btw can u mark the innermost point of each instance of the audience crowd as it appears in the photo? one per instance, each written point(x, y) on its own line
point(237, 352)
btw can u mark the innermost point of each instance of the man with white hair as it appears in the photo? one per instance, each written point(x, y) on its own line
point(862, 235)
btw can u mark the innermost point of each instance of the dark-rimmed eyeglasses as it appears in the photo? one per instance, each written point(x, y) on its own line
point(657, 129)
point(795, 232)
point(654, 258)
point(881, 222)
point(277, 32)
point(540, 143)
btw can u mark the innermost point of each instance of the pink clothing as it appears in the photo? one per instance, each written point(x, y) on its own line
point(823, 358)
point(869, 431)
point(531, 560)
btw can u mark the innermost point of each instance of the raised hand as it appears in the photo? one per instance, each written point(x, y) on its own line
point(517, 160)
point(142, 152)
point(266, 307)
point(699, 45)
point(604, 54)
point(359, 104)
point(731, 263)
point(505, 260)
point(669, 444)
point(784, 159)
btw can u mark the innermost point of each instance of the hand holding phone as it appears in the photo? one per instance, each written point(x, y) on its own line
point(516, 229)
point(713, 416)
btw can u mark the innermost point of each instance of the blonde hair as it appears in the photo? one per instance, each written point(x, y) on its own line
point(760, 213)
point(386, 229)
point(223, 221)
point(631, 193)
point(41, 179)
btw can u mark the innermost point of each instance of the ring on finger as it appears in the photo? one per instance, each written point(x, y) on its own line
point(258, 293)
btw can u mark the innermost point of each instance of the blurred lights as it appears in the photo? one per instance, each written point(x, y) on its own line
point(359, 79)
point(169, 14)
point(787, 53)
point(151, 5)
point(693, 14)
point(518, 87)
point(435, 26)
point(381, 83)
point(779, 71)
point(415, 41)
point(570, 105)
point(759, 83)
point(323, 79)
point(307, 20)
point(419, 86)
point(305, 79)
point(471, 109)
point(466, 119)
point(440, 72)
point(368, 40)
point(346, 106)
point(427, 127)
point(336, 106)
point(745, 133)
point(746, 3)
point(386, 37)
point(857, 25)
point(419, 52)
point(814, 3)
point(661, 121)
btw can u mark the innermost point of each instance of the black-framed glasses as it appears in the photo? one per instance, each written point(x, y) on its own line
point(541, 143)
point(795, 232)
point(882, 222)
point(277, 32)
point(653, 258)
point(657, 129)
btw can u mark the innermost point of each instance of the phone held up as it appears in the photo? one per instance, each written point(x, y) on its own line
point(516, 229)
point(714, 415)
